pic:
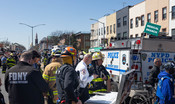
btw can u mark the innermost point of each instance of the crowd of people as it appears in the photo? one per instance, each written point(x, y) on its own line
point(66, 78)
point(70, 78)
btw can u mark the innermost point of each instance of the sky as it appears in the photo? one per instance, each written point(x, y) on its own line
point(57, 15)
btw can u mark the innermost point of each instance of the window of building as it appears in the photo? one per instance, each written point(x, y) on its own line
point(87, 37)
point(156, 16)
point(110, 29)
point(164, 30)
point(137, 21)
point(104, 30)
point(99, 32)
point(118, 22)
point(125, 36)
point(118, 36)
point(164, 12)
point(124, 20)
point(149, 17)
point(136, 35)
point(173, 31)
point(114, 28)
point(131, 23)
point(131, 36)
point(107, 30)
point(142, 20)
point(173, 12)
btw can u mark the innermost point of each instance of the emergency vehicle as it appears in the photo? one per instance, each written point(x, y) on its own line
point(138, 54)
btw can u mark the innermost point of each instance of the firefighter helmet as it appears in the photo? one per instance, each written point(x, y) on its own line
point(97, 55)
point(69, 51)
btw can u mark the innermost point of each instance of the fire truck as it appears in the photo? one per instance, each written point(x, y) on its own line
point(138, 54)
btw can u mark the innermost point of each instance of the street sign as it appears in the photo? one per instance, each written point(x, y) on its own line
point(152, 29)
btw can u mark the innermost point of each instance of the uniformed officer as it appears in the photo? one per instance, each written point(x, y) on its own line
point(50, 78)
point(85, 79)
point(24, 83)
point(11, 61)
point(97, 84)
point(67, 78)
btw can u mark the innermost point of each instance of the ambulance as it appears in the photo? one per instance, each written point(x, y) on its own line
point(138, 54)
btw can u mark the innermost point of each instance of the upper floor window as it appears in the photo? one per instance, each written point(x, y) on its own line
point(131, 23)
point(125, 35)
point(114, 28)
point(99, 31)
point(173, 12)
point(164, 12)
point(102, 31)
point(137, 21)
point(149, 17)
point(142, 20)
point(110, 29)
point(118, 22)
point(156, 16)
point(107, 30)
point(124, 20)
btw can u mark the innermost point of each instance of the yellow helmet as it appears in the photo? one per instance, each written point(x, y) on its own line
point(97, 55)
point(11, 54)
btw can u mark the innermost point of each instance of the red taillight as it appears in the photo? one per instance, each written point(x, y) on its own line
point(134, 66)
point(110, 44)
point(110, 71)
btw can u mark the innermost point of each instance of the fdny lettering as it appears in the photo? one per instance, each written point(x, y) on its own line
point(18, 77)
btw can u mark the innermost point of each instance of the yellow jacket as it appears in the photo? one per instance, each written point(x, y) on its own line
point(50, 78)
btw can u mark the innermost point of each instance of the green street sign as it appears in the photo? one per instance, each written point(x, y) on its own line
point(152, 29)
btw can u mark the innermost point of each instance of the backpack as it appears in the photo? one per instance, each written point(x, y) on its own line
point(60, 80)
point(159, 85)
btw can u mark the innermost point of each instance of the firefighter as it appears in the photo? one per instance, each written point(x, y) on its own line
point(45, 59)
point(4, 63)
point(97, 84)
point(67, 78)
point(50, 78)
point(11, 61)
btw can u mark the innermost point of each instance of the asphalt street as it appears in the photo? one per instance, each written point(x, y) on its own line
point(3, 87)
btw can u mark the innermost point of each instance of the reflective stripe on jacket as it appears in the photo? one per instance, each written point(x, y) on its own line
point(50, 78)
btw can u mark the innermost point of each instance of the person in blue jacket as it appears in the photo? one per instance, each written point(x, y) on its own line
point(165, 88)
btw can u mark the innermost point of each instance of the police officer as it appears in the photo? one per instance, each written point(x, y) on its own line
point(154, 72)
point(97, 84)
point(67, 78)
point(84, 77)
point(49, 76)
point(24, 83)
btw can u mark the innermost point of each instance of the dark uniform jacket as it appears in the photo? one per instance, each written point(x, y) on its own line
point(70, 83)
point(25, 84)
point(97, 84)
point(153, 76)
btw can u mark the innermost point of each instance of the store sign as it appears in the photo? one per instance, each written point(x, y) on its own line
point(152, 29)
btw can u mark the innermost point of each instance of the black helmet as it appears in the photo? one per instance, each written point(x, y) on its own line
point(169, 65)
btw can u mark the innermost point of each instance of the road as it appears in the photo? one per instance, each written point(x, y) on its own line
point(3, 87)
